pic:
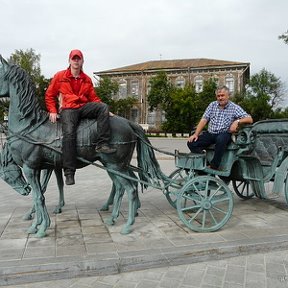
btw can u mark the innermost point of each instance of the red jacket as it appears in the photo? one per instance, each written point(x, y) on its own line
point(62, 83)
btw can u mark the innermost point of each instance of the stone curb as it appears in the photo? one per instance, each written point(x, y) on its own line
point(37, 270)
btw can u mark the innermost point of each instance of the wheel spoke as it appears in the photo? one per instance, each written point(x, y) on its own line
point(220, 200)
point(196, 214)
point(219, 210)
point(212, 216)
point(191, 197)
point(204, 219)
point(216, 191)
point(190, 208)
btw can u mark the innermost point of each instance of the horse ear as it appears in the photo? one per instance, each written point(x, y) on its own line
point(3, 61)
point(3, 64)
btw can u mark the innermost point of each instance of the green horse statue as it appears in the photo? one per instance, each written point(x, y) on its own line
point(35, 144)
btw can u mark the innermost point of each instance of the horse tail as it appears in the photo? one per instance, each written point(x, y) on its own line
point(147, 163)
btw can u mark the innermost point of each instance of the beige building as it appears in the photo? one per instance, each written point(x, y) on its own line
point(134, 80)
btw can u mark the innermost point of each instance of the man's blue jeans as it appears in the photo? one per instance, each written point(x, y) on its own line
point(205, 139)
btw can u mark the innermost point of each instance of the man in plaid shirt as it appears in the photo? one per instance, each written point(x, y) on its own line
point(223, 118)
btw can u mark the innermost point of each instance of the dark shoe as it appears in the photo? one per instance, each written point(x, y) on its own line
point(105, 149)
point(70, 179)
point(211, 166)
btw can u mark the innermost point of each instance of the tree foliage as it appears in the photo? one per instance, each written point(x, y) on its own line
point(284, 37)
point(159, 95)
point(183, 107)
point(106, 88)
point(122, 107)
point(263, 95)
point(30, 61)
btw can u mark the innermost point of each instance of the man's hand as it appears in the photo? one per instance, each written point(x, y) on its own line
point(53, 117)
point(234, 127)
point(193, 138)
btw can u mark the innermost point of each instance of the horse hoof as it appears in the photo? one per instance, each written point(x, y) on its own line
point(126, 230)
point(40, 234)
point(32, 230)
point(27, 217)
point(105, 208)
point(109, 221)
point(57, 210)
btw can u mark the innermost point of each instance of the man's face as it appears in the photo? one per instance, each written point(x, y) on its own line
point(222, 97)
point(76, 62)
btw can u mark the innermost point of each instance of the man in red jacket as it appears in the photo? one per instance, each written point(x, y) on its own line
point(72, 90)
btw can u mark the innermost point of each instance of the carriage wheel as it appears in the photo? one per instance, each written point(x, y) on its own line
point(205, 204)
point(286, 189)
point(180, 177)
point(243, 189)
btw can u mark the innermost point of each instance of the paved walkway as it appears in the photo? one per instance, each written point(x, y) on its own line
point(249, 251)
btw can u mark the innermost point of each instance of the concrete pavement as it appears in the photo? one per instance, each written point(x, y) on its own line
point(249, 251)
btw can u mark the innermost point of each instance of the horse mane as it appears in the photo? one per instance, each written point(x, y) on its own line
point(26, 90)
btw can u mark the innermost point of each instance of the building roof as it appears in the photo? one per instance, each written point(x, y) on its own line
point(173, 64)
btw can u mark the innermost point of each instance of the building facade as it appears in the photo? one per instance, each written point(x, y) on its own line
point(134, 80)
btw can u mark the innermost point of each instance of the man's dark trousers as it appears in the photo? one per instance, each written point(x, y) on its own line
point(70, 119)
point(205, 139)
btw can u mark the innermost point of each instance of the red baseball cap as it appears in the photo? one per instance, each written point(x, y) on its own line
point(74, 53)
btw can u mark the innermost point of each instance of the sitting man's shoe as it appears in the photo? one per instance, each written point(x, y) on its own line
point(70, 179)
point(105, 149)
point(211, 166)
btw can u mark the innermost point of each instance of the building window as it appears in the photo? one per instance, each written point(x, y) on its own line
point(180, 82)
point(151, 117)
point(134, 115)
point(122, 89)
point(198, 84)
point(230, 83)
point(134, 87)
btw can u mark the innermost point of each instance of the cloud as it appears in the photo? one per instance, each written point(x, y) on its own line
point(116, 33)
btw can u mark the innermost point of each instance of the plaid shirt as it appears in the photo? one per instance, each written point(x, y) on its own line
point(220, 119)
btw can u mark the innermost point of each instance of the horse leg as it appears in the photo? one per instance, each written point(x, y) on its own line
point(44, 183)
point(131, 189)
point(60, 183)
point(138, 203)
point(110, 200)
point(42, 219)
point(29, 214)
point(119, 191)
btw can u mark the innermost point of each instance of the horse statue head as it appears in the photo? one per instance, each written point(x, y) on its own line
point(17, 84)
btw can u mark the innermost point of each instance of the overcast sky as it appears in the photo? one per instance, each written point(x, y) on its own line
point(116, 33)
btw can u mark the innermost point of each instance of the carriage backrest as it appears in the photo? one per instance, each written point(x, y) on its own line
point(264, 139)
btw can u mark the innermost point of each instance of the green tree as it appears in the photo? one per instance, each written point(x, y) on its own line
point(4, 107)
point(106, 88)
point(30, 61)
point(284, 37)
point(159, 95)
point(264, 93)
point(186, 107)
point(122, 107)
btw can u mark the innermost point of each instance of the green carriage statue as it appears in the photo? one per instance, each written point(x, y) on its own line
point(258, 155)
